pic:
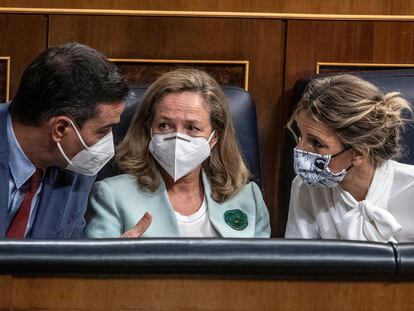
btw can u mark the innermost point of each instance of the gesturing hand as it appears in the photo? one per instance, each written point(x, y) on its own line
point(141, 226)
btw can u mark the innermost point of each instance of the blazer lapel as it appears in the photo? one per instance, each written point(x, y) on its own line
point(215, 210)
point(216, 213)
point(4, 170)
point(160, 207)
point(52, 204)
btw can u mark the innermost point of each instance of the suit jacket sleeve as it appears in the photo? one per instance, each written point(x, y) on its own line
point(78, 231)
point(103, 217)
point(262, 228)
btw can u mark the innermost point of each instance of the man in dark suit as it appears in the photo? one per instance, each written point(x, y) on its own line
point(55, 136)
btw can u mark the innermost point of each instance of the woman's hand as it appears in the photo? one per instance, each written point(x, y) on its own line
point(141, 226)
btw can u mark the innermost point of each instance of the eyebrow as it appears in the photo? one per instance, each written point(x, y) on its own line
point(165, 118)
point(107, 126)
point(321, 139)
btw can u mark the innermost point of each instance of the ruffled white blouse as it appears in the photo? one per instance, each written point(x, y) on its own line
point(387, 213)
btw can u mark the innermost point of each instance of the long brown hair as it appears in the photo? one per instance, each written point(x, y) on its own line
point(225, 168)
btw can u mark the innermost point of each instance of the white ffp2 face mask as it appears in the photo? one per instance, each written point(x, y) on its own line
point(90, 160)
point(179, 154)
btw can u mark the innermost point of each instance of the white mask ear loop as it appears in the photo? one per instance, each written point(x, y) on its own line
point(79, 135)
point(64, 154)
point(80, 139)
point(211, 136)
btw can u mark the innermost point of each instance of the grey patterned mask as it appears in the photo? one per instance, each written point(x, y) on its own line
point(314, 170)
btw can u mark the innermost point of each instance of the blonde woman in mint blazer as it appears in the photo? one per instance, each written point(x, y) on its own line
point(185, 176)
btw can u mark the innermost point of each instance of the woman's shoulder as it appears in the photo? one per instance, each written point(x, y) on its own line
point(118, 179)
point(248, 189)
point(249, 193)
point(121, 187)
point(403, 171)
point(123, 180)
point(403, 167)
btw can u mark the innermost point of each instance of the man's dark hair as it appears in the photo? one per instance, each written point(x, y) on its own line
point(71, 79)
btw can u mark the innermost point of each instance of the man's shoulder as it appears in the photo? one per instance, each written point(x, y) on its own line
point(59, 175)
point(3, 117)
point(4, 107)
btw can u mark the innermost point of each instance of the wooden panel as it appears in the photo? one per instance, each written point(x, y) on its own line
point(346, 67)
point(284, 6)
point(356, 42)
point(4, 79)
point(147, 71)
point(6, 288)
point(20, 42)
point(257, 41)
point(207, 294)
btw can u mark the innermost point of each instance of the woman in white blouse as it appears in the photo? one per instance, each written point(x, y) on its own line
point(348, 186)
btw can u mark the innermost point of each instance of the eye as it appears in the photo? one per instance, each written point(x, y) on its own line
point(102, 133)
point(317, 143)
point(163, 126)
point(193, 128)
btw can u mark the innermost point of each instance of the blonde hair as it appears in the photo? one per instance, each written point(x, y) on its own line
point(224, 168)
point(359, 114)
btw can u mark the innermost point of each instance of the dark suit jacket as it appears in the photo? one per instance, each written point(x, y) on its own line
point(62, 203)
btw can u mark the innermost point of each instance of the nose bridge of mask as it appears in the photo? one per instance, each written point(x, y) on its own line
point(179, 136)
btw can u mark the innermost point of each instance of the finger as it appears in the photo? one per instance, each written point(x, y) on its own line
point(141, 226)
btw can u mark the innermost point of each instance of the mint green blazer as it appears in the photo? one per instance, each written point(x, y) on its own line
point(117, 203)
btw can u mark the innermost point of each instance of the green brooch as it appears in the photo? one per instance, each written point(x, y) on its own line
point(236, 219)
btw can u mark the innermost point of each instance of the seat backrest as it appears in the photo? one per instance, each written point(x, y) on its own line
point(243, 113)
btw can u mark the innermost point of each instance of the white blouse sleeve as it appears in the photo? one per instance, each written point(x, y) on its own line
point(301, 222)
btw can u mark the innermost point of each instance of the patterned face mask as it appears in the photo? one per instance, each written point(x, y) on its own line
point(314, 168)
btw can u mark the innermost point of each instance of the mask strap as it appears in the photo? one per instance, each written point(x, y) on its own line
point(63, 154)
point(79, 135)
point(346, 149)
point(349, 167)
point(211, 136)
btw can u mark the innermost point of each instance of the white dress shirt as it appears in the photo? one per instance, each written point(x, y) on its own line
point(386, 214)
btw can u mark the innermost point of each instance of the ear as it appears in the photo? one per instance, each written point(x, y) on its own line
point(59, 127)
point(360, 155)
